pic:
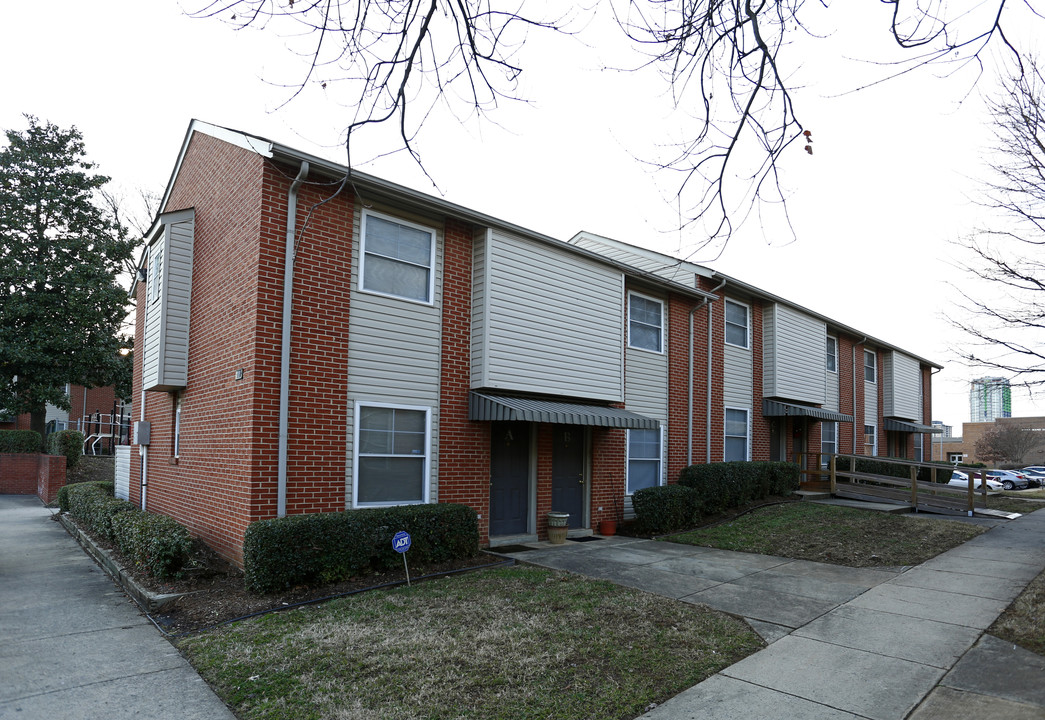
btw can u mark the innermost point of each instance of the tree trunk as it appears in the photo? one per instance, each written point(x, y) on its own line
point(38, 421)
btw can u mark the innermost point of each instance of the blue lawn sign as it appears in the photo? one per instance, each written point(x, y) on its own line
point(401, 543)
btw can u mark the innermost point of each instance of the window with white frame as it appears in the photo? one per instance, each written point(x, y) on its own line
point(736, 435)
point(736, 324)
point(391, 465)
point(644, 459)
point(870, 440)
point(177, 425)
point(955, 457)
point(919, 448)
point(155, 273)
point(397, 258)
point(828, 442)
point(645, 323)
point(832, 354)
point(870, 366)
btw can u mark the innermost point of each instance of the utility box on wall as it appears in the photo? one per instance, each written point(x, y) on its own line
point(142, 430)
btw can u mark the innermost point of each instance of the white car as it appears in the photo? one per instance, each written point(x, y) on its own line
point(960, 479)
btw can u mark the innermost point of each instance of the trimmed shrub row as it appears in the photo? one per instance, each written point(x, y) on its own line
point(708, 490)
point(20, 441)
point(330, 547)
point(156, 544)
point(68, 443)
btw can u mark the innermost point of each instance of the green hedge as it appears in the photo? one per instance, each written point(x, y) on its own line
point(329, 547)
point(708, 490)
point(156, 544)
point(20, 441)
point(68, 443)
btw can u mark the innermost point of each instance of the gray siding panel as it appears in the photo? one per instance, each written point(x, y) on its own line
point(769, 349)
point(831, 381)
point(672, 271)
point(870, 403)
point(552, 322)
point(902, 391)
point(737, 377)
point(165, 361)
point(795, 359)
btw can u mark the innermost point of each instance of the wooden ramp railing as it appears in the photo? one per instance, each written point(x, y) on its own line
point(919, 494)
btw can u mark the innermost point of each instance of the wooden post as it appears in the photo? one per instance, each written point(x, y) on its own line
point(834, 459)
point(914, 487)
point(972, 477)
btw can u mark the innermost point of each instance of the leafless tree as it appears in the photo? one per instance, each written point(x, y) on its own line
point(1005, 309)
point(723, 60)
point(1007, 443)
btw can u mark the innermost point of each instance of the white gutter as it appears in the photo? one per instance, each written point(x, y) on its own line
point(284, 361)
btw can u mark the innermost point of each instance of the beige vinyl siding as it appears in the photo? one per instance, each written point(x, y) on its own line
point(394, 351)
point(551, 322)
point(165, 360)
point(654, 263)
point(902, 391)
point(831, 398)
point(737, 377)
point(870, 403)
point(793, 353)
point(480, 292)
point(646, 391)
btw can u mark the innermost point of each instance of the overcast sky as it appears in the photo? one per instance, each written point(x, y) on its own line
point(875, 208)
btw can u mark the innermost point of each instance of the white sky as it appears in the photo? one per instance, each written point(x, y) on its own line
point(875, 208)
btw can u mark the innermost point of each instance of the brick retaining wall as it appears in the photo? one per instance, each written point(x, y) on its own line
point(32, 474)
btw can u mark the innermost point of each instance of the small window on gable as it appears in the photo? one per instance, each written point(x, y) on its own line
point(645, 323)
point(832, 354)
point(397, 258)
point(736, 324)
point(870, 366)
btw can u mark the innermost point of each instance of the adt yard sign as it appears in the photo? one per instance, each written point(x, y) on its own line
point(401, 541)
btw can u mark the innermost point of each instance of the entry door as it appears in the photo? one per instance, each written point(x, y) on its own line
point(568, 472)
point(509, 478)
point(778, 440)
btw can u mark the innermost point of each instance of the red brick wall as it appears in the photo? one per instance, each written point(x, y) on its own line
point(464, 446)
point(846, 431)
point(685, 358)
point(609, 452)
point(717, 334)
point(760, 424)
point(32, 474)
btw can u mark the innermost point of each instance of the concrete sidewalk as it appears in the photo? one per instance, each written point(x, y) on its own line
point(72, 645)
point(885, 644)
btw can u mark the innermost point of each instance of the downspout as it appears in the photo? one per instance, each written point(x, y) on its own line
point(707, 418)
point(143, 451)
point(284, 360)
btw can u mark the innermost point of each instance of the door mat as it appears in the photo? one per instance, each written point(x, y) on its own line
point(586, 538)
point(509, 549)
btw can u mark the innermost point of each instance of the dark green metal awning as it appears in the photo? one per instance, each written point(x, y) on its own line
point(911, 427)
point(483, 407)
point(775, 408)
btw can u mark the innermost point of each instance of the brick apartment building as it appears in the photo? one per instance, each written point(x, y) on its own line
point(417, 351)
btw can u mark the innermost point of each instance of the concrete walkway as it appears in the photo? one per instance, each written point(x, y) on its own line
point(72, 645)
point(885, 644)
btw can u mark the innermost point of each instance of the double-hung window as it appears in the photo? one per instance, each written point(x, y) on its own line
point(736, 324)
point(828, 442)
point(736, 441)
point(832, 354)
point(919, 448)
point(870, 440)
point(870, 366)
point(391, 465)
point(644, 459)
point(397, 258)
point(645, 323)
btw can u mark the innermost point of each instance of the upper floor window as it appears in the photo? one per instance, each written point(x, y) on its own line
point(397, 258)
point(736, 324)
point(155, 273)
point(870, 366)
point(645, 323)
point(832, 354)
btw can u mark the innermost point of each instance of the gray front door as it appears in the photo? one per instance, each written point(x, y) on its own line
point(509, 478)
point(568, 472)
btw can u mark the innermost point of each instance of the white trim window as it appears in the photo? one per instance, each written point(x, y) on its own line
point(644, 459)
point(870, 366)
point(177, 425)
point(391, 455)
point(155, 273)
point(870, 440)
point(737, 433)
point(397, 258)
point(832, 354)
point(828, 442)
point(645, 323)
point(919, 447)
point(737, 325)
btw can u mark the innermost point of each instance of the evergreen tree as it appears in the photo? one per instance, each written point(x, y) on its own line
point(60, 255)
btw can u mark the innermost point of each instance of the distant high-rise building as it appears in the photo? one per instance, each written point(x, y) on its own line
point(989, 399)
point(947, 429)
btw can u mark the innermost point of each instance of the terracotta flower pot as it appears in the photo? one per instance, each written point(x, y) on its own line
point(607, 527)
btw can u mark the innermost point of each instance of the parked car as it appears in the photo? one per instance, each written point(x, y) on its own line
point(1035, 475)
point(1009, 480)
point(960, 479)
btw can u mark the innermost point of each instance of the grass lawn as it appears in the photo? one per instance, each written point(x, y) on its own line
point(507, 643)
point(1021, 622)
point(832, 534)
